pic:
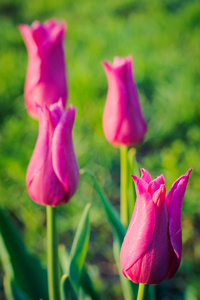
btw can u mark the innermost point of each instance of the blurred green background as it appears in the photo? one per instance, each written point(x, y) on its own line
point(164, 38)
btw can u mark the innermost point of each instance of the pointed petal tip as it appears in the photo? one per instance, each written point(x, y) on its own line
point(72, 111)
point(159, 195)
point(143, 171)
point(64, 26)
point(134, 177)
point(21, 27)
point(188, 172)
point(72, 107)
point(69, 116)
point(60, 103)
point(25, 32)
point(106, 65)
point(145, 176)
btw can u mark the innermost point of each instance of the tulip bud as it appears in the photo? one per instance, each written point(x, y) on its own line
point(53, 172)
point(151, 250)
point(46, 73)
point(123, 121)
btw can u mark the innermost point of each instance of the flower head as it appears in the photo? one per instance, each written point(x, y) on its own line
point(123, 121)
point(53, 172)
point(46, 73)
point(151, 250)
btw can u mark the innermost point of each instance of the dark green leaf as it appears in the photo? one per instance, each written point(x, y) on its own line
point(85, 280)
point(67, 290)
point(19, 264)
point(79, 248)
point(119, 231)
point(111, 213)
point(12, 291)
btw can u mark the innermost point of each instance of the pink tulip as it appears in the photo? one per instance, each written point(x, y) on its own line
point(123, 121)
point(151, 250)
point(46, 73)
point(53, 172)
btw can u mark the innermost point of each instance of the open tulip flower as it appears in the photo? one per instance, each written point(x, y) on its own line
point(123, 121)
point(46, 73)
point(151, 250)
point(53, 172)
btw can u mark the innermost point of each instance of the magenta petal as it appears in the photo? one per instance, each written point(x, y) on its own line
point(120, 61)
point(42, 183)
point(45, 188)
point(158, 196)
point(174, 202)
point(140, 185)
point(155, 184)
point(65, 163)
point(145, 176)
point(140, 232)
point(26, 33)
point(40, 147)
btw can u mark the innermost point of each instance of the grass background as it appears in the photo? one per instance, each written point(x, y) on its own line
point(164, 38)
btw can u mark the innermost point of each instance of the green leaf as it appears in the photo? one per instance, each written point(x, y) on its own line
point(12, 291)
point(85, 280)
point(129, 288)
point(79, 248)
point(19, 264)
point(67, 290)
point(111, 213)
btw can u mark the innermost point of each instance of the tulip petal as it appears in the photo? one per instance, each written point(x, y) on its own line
point(145, 175)
point(120, 61)
point(39, 33)
point(174, 202)
point(155, 184)
point(64, 159)
point(26, 33)
point(150, 268)
point(159, 195)
point(55, 112)
point(40, 148)
point(42, 182)
point(139, 235)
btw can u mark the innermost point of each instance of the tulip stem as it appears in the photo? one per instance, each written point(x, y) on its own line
point(142, 292)
point(124, 185)
point(133, 169)
point(52, 255)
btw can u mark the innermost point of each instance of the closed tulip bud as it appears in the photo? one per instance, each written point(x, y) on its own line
point(123, 121)
point(151, 250)
point(46, 74)
point(53, 172)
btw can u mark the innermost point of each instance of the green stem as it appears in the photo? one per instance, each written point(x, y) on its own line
point(142, 292)
point(124, 186)
point(132, 170)
point(52, 255)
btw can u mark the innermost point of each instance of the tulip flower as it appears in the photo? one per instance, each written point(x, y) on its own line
point(46, 73)
point(151, 250)
point(123, 120)
point(53, 173)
